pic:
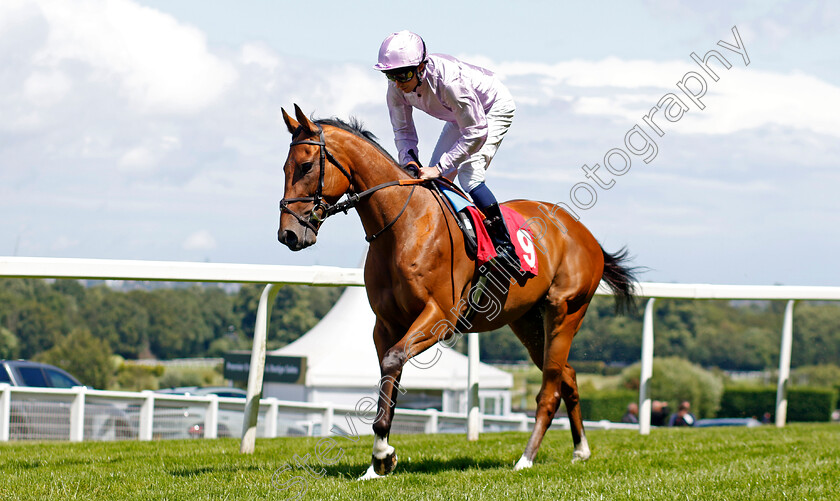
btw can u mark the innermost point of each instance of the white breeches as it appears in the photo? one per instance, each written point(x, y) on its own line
point(471, 171)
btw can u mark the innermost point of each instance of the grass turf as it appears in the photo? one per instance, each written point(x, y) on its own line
point(801, 461)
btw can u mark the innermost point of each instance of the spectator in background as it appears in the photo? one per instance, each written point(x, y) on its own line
point(659, 413)
point(632, 414)
point(683, 416)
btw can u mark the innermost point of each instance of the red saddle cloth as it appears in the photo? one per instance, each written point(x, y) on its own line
point(520, 235)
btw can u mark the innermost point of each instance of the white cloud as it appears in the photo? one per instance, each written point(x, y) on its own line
point(145, 158)
point(260, 55)
point(137, 160)
point(46, 88)
point(160, 66)
point(743, 98)
point(200, 240)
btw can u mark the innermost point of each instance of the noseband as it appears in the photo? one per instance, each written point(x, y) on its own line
point(326, 209)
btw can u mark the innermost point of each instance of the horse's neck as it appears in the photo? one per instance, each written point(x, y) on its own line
point(372, 168)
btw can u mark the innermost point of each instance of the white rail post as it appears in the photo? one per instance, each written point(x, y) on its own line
point(147, 415)
point(256, 369)
point(271, 418)
point(432, 421)
point(646, 369)
point(784, 366)
point(523, 423)
point(77, 415)
point(211, 418)
point(473, 408)
point(5, 411)
point(327, 420)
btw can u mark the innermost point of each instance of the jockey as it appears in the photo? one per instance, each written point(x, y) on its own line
point(477, 109)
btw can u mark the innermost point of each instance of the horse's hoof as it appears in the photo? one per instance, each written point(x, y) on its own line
point(523, 464)
point(580, 456)
point(369, 474)
point(385, 465)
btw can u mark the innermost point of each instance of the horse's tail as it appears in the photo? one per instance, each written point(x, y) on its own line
point(621, 279)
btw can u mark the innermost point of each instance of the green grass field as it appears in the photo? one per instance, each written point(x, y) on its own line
point(801, 462)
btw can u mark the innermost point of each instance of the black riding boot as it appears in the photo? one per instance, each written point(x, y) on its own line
point(499, 234)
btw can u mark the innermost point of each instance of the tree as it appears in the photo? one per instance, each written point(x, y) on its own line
point(9, 344)
point(501, 345)
point(37, 327)
point(114, 318)
point(84, 356)
point(176, 324)
point(71, 288)
point(296, 309)
point(816, 334)
point(606, 336)
point(217, 307)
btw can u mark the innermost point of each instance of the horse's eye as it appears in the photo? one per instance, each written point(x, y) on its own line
point(305, 167)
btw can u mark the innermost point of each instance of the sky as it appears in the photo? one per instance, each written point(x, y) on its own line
point(152, 129)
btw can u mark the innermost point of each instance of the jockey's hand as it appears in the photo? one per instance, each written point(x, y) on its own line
point(412, 168)
point(429, 172)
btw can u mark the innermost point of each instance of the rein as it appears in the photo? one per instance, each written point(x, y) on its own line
point(326, 209)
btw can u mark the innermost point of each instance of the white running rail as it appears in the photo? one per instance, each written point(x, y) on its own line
point(274, 275)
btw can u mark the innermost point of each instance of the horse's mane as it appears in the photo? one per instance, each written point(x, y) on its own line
point(356, 127)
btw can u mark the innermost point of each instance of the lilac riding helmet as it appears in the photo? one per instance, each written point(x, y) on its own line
point(400, 50)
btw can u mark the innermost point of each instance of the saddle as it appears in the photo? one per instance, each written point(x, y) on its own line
point(477, 240)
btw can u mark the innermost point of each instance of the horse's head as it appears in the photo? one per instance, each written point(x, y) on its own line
point(314, 181)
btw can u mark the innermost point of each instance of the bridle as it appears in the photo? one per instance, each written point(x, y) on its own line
point(320, 205)
point(326, 209)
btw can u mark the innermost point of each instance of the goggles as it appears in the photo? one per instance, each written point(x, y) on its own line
point(400, 77)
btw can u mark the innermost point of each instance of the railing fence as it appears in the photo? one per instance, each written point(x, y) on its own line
point(80, 413)
point(275, 276)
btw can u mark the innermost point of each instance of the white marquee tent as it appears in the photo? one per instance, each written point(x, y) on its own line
point(342, 367)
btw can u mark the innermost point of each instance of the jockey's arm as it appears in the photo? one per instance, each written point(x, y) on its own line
point(471, 121)
point(402, 121)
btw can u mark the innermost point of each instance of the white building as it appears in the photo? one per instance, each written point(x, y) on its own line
point(342, 367)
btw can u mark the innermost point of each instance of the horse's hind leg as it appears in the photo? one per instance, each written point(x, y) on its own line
point(569, 391)
point(560, 327)
point(529, 329)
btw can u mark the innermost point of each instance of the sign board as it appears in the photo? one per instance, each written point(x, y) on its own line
point(278, 369)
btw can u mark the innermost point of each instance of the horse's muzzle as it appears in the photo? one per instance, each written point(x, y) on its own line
point(293, 241)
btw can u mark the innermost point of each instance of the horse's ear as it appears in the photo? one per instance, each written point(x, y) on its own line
point(291, 124)
point(305, 123)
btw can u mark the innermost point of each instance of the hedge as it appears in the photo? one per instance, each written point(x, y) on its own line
point(804, 403)
point(607, 404)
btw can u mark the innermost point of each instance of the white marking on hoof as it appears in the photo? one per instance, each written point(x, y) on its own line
point(582, 451)
point(369, 474)
point(381, 449)
point(523, 463)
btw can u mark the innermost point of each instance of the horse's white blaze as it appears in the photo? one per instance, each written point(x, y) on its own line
point(523, 463)
point(369, 474)
point(582, 451)
point(381, 449)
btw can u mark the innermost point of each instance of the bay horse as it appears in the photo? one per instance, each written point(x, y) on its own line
point(419, 277)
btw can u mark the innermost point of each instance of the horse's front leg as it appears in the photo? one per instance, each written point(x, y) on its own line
point(392, 359)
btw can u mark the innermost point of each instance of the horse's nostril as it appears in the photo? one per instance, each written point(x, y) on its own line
point(289, 238)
